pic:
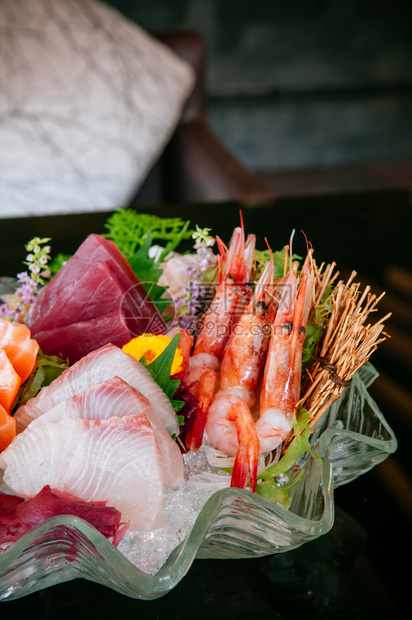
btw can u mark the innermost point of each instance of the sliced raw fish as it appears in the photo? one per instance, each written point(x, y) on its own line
point(116, 461)
point(93, 249)
point(18, 516)
point(95, 289)
point(115, 397)
point(104, 363)
point(74, 341)
point(96, 249)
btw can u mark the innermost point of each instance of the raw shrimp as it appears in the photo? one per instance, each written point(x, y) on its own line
point(230, 426)
point(281, 384)
point(185, 345)
point(201, 371)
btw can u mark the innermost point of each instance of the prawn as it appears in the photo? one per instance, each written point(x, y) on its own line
point(230, 426)
point(235, 267)
point(185, 345)
point(281, 383)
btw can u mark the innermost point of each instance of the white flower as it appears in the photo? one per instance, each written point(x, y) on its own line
point(155, 252)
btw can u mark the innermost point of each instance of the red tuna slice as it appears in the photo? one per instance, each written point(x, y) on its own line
point(97, 292)
point(96, 248)
point(77, 340)
point(7, 502)
point(22, 516)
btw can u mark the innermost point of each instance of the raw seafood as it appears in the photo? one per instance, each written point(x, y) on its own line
point(72, 342)
point(115, 460)
point(94, 291)
point(20, 348)
point(115, 397)
point(19, 516)
point(104, 363)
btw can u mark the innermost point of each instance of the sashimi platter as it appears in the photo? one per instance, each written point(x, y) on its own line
point(166, 394)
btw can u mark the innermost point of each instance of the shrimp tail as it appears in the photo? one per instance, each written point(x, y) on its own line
point(247, 455)
point(206, 390)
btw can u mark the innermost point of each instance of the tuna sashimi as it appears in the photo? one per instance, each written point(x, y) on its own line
point(18, 516)
point(65, 283)
point(7, 502)
point(74, 341)
point(115, 397)
point(95, 289)
point(115, 460)
point(104, 363)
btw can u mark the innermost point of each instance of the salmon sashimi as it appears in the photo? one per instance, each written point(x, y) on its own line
point(104, 363)
point(10, 382)
point(19, 347)
point(7, 428)
point(115, 397)
point(116, 461)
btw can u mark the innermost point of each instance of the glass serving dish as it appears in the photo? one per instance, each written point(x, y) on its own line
point(351, 438)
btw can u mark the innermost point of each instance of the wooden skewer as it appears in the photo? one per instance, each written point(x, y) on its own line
point(348, 342)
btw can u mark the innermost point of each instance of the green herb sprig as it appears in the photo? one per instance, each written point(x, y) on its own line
point(129, 229)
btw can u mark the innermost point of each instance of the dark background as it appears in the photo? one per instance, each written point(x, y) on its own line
point(301, 84)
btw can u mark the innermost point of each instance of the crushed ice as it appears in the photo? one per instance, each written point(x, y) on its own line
point(148, 551)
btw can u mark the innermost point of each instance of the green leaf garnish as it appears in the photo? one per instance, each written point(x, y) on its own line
point(274, 493)
point(313, 335)
point(160, 370)
point(57, 262)
point(299, 446)
point(267, 486)
point(148, 273)
point(128, 229)
point(46, 369)
point(280, 258)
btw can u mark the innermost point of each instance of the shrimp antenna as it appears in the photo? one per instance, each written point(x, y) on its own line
point(290, 248)
point(270, 253)
point(309, 246)
point(309, 249)
point(241, 221)
point(221, 257)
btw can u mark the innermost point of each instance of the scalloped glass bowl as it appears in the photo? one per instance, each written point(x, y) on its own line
point(352, 437)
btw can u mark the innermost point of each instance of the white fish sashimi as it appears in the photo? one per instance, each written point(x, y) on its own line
point(115, 460)
point(101, 364)
point(115, 397)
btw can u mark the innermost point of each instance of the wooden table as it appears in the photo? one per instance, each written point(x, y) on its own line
point(356, 569)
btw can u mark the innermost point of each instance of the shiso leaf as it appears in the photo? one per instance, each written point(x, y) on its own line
point(160, 370)
point(148, 273)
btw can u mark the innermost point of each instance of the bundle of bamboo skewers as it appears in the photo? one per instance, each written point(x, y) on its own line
point(348, 342)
